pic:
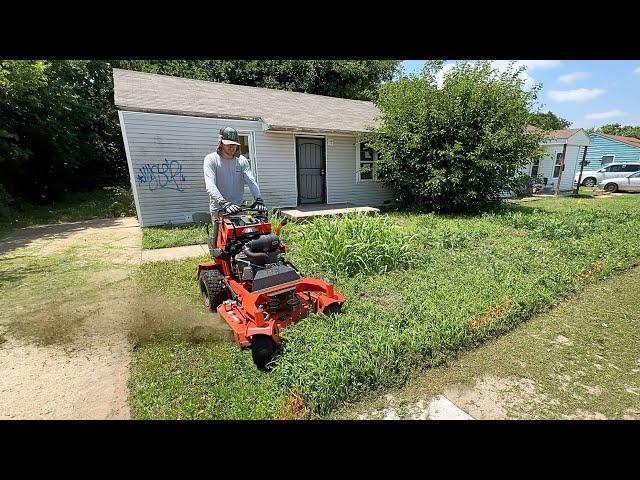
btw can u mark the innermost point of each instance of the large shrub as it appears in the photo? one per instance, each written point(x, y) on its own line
point(457, 146)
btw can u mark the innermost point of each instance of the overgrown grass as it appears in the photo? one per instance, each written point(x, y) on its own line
point(420, 292)
point(351, 245)
point(178, 371)
point(107, 202)
point(173, 236)
point(581, 358)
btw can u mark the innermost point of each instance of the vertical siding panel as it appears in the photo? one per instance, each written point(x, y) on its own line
point(176, 145)
point(341, 176)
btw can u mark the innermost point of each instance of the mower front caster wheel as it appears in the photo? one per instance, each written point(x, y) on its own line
point(213, 288)
point(333, 309)
point(263, 349)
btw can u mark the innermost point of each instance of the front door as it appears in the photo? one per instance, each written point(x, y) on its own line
point(310, 159)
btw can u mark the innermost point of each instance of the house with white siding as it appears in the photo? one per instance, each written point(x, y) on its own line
point(563, 154)
point(303, 148)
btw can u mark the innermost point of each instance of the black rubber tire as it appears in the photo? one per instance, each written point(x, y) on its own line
point(611, 187)
point(213, 288)
point(589, 182)
point(333, 309)
point(263, 349)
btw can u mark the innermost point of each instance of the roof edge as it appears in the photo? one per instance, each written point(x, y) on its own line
point(187, 113)
point(609, 137)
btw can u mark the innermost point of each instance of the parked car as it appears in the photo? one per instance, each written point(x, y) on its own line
point(628, 183)
point(590, 179)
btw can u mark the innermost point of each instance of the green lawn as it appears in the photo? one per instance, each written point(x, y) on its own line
point(579, 360)
point(172, 236)
point(107, 202)
point(420, 289)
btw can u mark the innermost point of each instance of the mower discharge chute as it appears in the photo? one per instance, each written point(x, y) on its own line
point(254, 288)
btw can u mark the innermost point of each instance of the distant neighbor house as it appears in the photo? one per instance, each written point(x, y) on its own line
point(302, 147)
point(610, 149)
point(568, 143)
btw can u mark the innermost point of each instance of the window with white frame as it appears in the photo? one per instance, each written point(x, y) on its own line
point(558, 165)
point(367, 158)
point(535, 167)
point(246, 149)
point(607, 159)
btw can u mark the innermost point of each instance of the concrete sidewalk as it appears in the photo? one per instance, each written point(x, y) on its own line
point(174, 253)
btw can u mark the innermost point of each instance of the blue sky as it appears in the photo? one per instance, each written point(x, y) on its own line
point(588, 93)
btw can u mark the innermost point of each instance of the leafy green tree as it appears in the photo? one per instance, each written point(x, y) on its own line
point(549, 121)
point(457, 147)
point(617, 129)
point(355, 79)
point(58, 128)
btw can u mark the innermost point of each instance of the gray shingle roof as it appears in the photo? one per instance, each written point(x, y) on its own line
point(555, 134)
point(279, 109)
point(565, 133)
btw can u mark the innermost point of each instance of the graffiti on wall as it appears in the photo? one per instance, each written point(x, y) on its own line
point(165, 175)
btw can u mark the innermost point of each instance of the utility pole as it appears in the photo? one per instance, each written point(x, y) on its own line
point(582, 164)
point(564, 152)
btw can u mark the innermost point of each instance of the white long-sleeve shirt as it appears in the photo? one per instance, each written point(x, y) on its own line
point(225, 180)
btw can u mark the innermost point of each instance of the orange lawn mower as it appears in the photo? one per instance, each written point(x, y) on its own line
point(253, 287)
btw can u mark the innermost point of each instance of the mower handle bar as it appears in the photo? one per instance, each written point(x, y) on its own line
point(244, 208)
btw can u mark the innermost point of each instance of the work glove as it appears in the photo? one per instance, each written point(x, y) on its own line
point(259, 205)
point(230, 208)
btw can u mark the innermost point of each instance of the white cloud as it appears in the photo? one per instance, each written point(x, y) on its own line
point(440, 75)
point(609, 114)
point(578, 95)
point(636, 71)
point(502, 65)
point(572, 77)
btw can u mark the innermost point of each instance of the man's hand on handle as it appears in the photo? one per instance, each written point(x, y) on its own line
point(259, 206)
point(230, 208)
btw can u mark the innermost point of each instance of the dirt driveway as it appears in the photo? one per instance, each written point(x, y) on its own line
point(65, 292)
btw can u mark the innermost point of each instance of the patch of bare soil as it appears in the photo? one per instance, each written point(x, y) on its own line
point(495, 398)
point(66, 355)
point(47, 382)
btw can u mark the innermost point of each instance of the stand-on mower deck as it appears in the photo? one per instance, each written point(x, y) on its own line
point(251, 285)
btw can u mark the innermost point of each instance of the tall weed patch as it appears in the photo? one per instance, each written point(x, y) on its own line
point(464, 279)
point(351, 245)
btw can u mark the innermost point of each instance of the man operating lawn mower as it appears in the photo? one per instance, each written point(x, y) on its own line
point(248, 281)
point(226, 172)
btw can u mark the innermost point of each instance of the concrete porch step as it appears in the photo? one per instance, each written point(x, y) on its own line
point(303, 212)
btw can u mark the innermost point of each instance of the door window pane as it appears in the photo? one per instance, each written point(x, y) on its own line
point(615, 168)
point(630, 168)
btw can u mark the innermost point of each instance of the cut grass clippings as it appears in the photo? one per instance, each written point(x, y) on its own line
point(438, 285)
